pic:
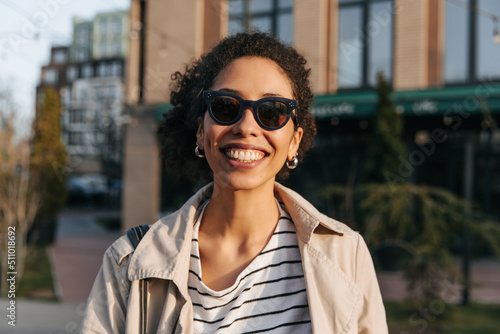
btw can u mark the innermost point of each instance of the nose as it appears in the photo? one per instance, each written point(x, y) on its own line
point(246, 125)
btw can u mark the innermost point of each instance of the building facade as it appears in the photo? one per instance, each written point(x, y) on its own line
point(440, 57)
point(89, 74)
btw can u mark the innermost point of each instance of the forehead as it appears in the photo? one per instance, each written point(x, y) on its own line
point(254, 74)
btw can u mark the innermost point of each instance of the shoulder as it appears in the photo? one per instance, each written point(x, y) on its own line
point(119, 249)
point(308, 218)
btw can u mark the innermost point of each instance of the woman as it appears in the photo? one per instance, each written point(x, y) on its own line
point(244, 254)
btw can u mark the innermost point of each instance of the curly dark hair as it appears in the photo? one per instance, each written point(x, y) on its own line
point(179, 127)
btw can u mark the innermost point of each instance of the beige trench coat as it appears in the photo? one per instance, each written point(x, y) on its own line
point(342, 289)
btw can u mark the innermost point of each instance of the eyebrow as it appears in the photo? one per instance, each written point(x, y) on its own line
point(229, 90)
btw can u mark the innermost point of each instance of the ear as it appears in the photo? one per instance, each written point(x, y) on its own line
point(295, 143)
point(200, 133)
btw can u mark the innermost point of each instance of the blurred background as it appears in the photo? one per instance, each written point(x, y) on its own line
point(407, 104)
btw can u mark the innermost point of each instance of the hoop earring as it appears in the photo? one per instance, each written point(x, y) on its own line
point(292, 164)
point(199, 153)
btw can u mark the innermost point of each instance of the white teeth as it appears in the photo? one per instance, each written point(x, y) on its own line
point(244, 155)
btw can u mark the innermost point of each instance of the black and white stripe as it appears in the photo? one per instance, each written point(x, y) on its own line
point(268, 296)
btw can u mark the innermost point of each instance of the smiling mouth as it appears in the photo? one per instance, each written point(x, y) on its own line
point(244, 155)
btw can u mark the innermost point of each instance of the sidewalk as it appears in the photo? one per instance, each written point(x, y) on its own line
point(42, 317)
point(76, 257)
point(77, 253)
point(485, 281)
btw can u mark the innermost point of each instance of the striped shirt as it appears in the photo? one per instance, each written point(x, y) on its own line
point(268, 296)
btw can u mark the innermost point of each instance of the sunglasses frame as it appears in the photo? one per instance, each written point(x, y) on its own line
point(209, 95)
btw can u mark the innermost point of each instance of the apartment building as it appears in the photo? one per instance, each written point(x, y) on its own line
point(89, 74)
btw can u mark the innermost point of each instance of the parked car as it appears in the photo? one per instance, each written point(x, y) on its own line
point(93, 187)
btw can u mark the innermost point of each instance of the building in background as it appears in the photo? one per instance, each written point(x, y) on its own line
point(89, 74)
point(81, 46)
point(440, 56)
point(110, 35)
point(53, 74)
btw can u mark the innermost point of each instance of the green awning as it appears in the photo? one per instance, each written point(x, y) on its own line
point(477, 99)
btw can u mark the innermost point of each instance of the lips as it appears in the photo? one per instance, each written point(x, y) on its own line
point(244, 155)
point(243, 152)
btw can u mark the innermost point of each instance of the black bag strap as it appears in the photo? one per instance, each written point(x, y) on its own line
point(135, 234)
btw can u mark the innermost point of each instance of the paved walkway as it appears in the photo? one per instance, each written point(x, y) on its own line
point(485, 278)
point(77, 256)
point(77, 253)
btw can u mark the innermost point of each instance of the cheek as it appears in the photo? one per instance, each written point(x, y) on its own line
point(212, 133)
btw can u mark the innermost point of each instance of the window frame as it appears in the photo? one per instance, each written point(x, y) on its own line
point(274, 13)
point(365, 52)
point(472, 76)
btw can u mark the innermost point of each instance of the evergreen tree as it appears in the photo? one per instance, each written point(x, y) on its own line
point(48, 166)
point(387, 146)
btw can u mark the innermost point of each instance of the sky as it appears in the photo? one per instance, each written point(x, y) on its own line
point(28, 28)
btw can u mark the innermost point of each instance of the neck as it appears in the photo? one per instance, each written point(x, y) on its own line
point(241, 214)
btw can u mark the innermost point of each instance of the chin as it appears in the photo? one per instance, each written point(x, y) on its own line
point(242, 182)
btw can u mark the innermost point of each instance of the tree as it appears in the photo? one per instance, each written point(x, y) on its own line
point(48, 163)
point(422, 223)
point(387, 145)
point(417, 223)
point(18, 202)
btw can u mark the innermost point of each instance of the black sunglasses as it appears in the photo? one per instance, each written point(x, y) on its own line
point(271, 113)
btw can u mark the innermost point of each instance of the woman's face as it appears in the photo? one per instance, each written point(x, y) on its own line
point(244, 156)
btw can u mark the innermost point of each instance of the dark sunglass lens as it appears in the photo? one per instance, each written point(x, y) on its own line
point(272, 114)
point(225, 109)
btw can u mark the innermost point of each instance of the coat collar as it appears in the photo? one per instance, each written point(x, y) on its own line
point(164, 250)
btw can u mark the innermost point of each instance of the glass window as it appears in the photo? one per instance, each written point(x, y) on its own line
point(237, 7)
point(262, 23)
point(116, 69)
point(81, 54)
point(82, 34)
point(488, 52)
point(457, 42)
point(379, 32)
point(59, 57)
point(236, 25)
point(104, 27)
point(284, 4)
point(101, 70)
point(87, 71)
point(117, 25)
point(116, 48)
point(471, 53)
point(350, 47)
point(285, 28)
point(272, 16)
point(50, 76)
point(261, 6)
point(71, 73)
point(103, 49)
point(365, 42)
